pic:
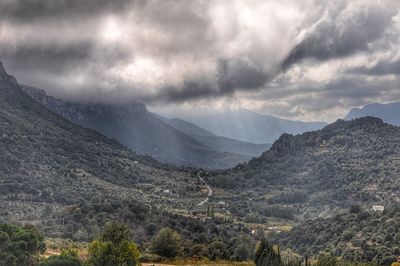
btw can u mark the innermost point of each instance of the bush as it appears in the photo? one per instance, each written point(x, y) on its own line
point(114, 247)
point(199, 251)
point(242, 253)
point(20, 245)
point(62, 260)
point(166, 243)
point(217, 251)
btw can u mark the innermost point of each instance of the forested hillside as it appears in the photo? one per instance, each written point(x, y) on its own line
point(320, 172)
point(70, 181)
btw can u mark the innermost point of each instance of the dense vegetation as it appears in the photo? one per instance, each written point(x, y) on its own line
point(318, 173)
point(361, 236)
point(20, 245)
point(71, 181)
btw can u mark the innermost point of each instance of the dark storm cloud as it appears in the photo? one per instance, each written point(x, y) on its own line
point(54, 59)
point(31, 10)
point(342, 32)
point(165, 51)
point(231, 75)
point(237, 73)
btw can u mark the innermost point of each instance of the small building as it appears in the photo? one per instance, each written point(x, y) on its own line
point(378, 208)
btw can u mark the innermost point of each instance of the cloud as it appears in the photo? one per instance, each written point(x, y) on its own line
point(381, 68)
point(184, 52)
point(341, 31)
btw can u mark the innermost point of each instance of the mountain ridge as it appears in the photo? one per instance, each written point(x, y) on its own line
point(135, 127)
point(319, 173)
point(389, 112)
point(248, 126)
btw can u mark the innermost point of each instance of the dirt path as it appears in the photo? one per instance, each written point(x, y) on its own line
point(210, 191)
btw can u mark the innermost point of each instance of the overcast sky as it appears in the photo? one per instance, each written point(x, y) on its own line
point(309, 60)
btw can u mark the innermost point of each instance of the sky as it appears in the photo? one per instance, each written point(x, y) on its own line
point(307, 60)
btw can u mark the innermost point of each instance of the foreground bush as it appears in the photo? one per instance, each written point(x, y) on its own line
point(114, 247)
point(20, 245)
point(68, 257)
point(167, 243)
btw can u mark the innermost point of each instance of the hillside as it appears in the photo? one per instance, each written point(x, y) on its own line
point(248, 126)
point(141, 131)
point(389, 113)
point(69, 181)
point(360, 235)
point(318, 173)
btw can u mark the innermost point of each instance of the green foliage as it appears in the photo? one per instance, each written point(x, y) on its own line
point(62, 260)
point(327, 260)
point(113, 247)
point(355, 236)
point(20, 245)
point(242, 253)
point(166, 243)
point(290, 258)
point(199, 251)
point(217, 251)
point(266, 255)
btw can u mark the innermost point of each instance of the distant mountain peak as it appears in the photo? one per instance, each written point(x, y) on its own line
point(389, 112)
point(290, 144)
point(4, 76)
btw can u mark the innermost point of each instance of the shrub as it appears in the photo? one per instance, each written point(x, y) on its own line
point(166, 243)
point(114, 247)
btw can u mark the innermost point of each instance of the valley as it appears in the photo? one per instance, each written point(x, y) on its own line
point(70, 182)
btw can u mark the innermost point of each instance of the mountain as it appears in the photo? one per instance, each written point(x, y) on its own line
point(70, 181)
point(221, 144)
point(248, 126)
point(318, 173)
point(389, 113)
point(143, 132)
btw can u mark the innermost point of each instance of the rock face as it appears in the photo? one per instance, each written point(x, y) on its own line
point(142, 131)
point(5, 77)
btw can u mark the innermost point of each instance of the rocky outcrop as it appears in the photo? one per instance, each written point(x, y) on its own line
point(5, 77)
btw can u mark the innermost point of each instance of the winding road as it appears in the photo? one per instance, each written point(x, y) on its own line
point(210, 191)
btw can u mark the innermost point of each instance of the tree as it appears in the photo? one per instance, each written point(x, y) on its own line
point(242, 253)
point(166, 243)
point(217, 251)
point(114, 247)
point(20, 245)
point(355, 209)
point(199, 251)
point(290, 258)
point(266, 255)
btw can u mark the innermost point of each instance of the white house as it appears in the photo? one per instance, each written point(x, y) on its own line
point(378, 208)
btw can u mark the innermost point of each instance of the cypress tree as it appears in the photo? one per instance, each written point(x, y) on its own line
point(266, 255)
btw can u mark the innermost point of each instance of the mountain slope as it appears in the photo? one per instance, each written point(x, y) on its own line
point(221, 144)
point(304, 176)
point(389, 113)
point(248, 126)
point(69, 181)
point(140, 130)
